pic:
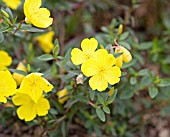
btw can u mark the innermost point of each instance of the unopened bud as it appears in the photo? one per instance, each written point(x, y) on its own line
point(111, 91)
point(79, 79)
point(120, 29)
point(5, 13)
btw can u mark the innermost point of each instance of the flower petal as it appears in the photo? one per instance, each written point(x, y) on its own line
point(126, 55)
point(106, 60)
point(42, 106)
point(8, 85)
point(5, 59)
point(98, 82)
point(89, 45)
point(34, 85)
point(119, 61)
point(42, 18)
point(27, 111)
point(77, 56)
point(90, 67)
point(112, 75)
point(21, 99)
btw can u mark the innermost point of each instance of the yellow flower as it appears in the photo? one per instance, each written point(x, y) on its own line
point(34, 85)
point(39, 17)
point(28, 108)
point(7, 85)
point(126, 56)
point(46, 41)
point(5, 60)
point(62, 96)
point(13, 4)
point(18, 77)
point(88, 49)
point(102, 70)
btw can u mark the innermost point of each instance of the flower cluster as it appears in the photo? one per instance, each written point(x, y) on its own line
point(99, 65)
point(29, 96)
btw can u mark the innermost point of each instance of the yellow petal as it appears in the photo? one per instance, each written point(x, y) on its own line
point(13, 4)
point(89, 45)
point(21, 99)
point(126, 55)
point(27, 111)
point(8, 85)
point(112, 75)
point(106, 60)
point(46, 41)
point(42, 18)
point(18, 77)
point(119, 61)
point(98, 82)
point(39, 17)
point(5, 59)
point(90, 67)
point(77, 56)
point(34, 85)
point(42, 106)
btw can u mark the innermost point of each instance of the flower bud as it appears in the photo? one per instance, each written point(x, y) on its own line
point(18, 77)
point(79, 79)
point(120, 29)
point(5, 13)
point(62, 95)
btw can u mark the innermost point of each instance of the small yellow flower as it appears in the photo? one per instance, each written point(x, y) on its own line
point(126, 56)
point(18, 77)
point(62, 96)
point(5, 60)
point(7, 85)
point(34, 85)
point(88, 49)
point(102, 70)
point(13, 4)
point(46, 41)
point(39, 17)
point(28, 108)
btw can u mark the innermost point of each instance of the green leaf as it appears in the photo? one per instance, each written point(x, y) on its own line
point(116, 55)
point(131, 63)
point(30, 28)
point(45, 57)
point(92, 94)
point(101, 100)
point(164, 82)
point(100, 114)
point(18, 71)
point(8, 10)
point(145, 46)
point(124, 36)
point(143, 72)
point(1, 37)
point(133, 80)
point(123, 74)
point(67, 56)
point(126, 94)
point(125, 44)
point(112, 97)
point(145, 81)
point(106, 109)
point(56, 48)
point(153, 91)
